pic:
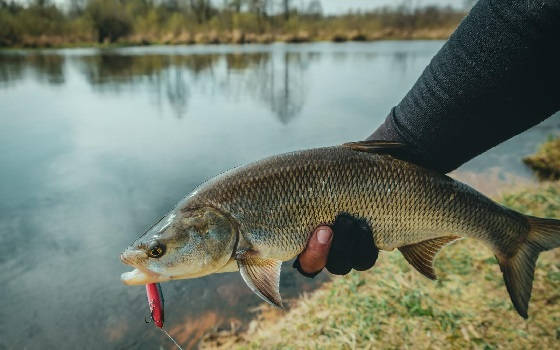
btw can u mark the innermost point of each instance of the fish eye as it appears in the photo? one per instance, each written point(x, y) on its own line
point(156, 249)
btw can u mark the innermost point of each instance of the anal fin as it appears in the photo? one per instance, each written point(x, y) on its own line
point(421, 255)
point(262, 276)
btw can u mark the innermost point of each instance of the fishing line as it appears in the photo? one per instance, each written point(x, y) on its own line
point(170, 337)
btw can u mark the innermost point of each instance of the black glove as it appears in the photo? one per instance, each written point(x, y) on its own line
point(352, 247)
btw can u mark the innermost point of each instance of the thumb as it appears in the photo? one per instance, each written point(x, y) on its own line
point(314, 258)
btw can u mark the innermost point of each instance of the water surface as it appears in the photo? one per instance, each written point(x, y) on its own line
point(97, 144)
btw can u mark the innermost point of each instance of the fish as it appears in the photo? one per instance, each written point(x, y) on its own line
point(252, 218)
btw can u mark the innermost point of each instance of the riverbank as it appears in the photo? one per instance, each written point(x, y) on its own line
point(393, 306)
point(106, 22)
point(239, 37)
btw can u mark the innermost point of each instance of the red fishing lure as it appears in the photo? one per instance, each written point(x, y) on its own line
point(155, 301)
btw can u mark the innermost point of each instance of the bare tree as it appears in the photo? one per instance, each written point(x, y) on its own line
point(286, 8)
point(77, 7)
point(235, 5)
point(202, 9)
point(314, 9)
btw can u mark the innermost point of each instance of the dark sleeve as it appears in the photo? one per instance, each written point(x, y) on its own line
point(497, 75)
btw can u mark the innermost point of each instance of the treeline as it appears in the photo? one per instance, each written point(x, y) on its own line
point(41, 23)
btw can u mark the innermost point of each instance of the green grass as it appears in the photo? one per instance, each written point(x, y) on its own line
point(546, 162)
point(392, 306)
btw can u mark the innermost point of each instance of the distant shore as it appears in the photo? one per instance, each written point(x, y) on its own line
point(237, 37)
point(101, 23)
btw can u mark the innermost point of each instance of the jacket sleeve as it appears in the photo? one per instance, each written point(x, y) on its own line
point(496, 76)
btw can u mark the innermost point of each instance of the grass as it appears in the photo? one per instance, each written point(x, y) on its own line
point(546, 162)
point(392, 306)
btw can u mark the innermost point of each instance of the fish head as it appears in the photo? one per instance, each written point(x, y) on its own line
point(187, 243)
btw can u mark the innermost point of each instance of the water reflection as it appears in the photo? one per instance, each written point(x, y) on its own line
point(277, 80)
point(283, 88)
point(44, 68)
point(238, 62)
point(114, 70)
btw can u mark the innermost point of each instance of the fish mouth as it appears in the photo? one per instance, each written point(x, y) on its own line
point(140, 275)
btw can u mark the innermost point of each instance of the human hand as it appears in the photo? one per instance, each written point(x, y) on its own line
point(347, 244)
point(314, 258)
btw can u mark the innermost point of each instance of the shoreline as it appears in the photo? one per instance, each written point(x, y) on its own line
point(234, 38)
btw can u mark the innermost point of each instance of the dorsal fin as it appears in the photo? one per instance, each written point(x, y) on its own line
point(375, 146)
point(421, 255)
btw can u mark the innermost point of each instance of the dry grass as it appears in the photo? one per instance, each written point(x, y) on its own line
point(393, 307)
point(546, 162)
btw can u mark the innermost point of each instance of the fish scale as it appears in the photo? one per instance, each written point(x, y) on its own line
point(289, 195)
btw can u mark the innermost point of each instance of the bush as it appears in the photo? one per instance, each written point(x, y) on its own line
point(9, 33)
point(109, 19)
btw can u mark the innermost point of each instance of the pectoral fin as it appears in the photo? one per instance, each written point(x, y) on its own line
point(421, 255)
point(262, 276)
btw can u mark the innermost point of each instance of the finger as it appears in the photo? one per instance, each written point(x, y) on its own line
point(314, 257)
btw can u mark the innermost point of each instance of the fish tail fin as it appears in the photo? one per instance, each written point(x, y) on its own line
point(544, 233)
point(519, 269)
